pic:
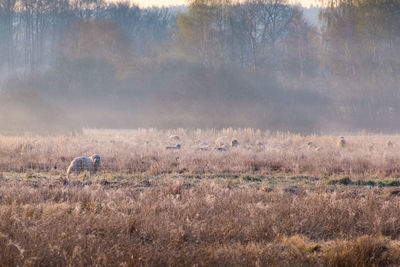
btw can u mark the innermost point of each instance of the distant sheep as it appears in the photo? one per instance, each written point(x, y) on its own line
point(341, 142)
point(203, 146)
point(220, 141)
point(389, 144)
point(177, 147)
point(310, 145)
point(26, 148)
point(80, 164)
point(234, 143)
point(174, 138)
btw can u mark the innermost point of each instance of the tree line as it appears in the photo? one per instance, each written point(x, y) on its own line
point(263, 57)
point(354, 36)
point(36, 33)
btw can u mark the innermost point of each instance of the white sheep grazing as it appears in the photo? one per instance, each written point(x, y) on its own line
point(220, 142)
point(80, 164)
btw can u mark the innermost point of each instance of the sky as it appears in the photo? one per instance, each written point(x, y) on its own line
point(147, 3)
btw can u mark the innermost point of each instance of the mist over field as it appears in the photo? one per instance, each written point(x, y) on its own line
point(65, 65)
point(217, 133)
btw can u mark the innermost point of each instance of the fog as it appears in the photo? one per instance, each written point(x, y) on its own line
point(67, 65)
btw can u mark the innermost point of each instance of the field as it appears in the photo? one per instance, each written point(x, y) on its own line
point(276, 199)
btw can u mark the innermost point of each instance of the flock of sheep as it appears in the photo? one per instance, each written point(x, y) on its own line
point(220, 144)
point(92, 163)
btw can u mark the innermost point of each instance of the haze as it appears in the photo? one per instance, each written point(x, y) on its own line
point(95, 64)
point(160, 3)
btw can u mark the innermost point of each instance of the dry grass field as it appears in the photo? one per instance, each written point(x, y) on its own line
point(144, 151)
point(273, 200)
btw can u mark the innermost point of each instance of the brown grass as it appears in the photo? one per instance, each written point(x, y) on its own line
point(143, 151)
point(264, 203)
point(165, 221)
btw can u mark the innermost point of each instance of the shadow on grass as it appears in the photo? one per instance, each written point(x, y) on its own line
point(347, 181)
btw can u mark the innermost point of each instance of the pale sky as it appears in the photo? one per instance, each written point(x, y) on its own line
point(148, 3)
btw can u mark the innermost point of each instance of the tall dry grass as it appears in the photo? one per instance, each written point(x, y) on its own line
point(172, 222)
point(143, 151)
point(150, 206)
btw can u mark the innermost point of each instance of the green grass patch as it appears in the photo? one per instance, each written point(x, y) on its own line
point(381, 183)
point(389, 183)
point(367, 182)
point(342, 181)
point(249, 178)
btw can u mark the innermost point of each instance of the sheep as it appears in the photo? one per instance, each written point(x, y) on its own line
point(234, 143)
point(220, 141)
point(341, 142)
point(389, 144)
point(177, 147)
point(80, 164)
point(220, 144)
point(203, 146)
point(317, 149)
point(174, 138)
point(310, 145)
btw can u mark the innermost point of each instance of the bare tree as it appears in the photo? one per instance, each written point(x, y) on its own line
point(7, 15)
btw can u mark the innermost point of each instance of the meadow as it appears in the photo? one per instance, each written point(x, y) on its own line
point(275, 199)
point(259, 152)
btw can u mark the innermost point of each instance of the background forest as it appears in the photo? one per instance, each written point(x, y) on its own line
point(265, 64)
